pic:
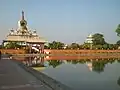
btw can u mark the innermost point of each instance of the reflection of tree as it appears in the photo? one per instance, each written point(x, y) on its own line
point(98, 66)
point(82, 61)
point(69, 61)
point(88, 60)
point(118, 60)
point(74, 61)
point(111, 61)
point(118, 81)
point(55, 63)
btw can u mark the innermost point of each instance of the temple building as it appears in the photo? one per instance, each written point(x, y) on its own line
point(89, 39)
point(25, 37)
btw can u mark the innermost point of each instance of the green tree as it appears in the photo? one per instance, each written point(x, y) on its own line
point(56, 45)
point(118, 42)
point(105, 46)
point(1, 46)
point(110, 46)
point(86, 46)
point(116, 46)
point(98, 46)
point(74, 46)
point(98, 39)
point(46, 47)
point(118, 30)
point(12, 45)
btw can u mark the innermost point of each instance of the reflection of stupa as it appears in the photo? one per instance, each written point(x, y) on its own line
point(90, 66)
point(23, 36)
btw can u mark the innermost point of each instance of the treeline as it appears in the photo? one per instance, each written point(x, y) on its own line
point(97, 43)
point(60, 45)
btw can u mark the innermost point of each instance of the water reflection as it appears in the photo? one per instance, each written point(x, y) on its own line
point(96, 65)
point(55, 63)
point(105, 73)
point(34, 61)
point(118, 82)
point(118, 60)
point(93, 65)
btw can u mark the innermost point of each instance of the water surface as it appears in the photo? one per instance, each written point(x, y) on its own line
point(98, 74)
point(82, 73)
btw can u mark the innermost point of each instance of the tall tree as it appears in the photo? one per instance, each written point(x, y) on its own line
point(118, 30)
point(98, 39)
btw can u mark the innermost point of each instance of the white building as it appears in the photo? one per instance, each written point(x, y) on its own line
point(89, 39)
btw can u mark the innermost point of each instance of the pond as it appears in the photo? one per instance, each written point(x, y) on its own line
point(98, 74)
point(83, 73)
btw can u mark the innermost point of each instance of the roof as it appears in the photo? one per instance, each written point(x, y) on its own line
point(90, 36)
point(32, 39)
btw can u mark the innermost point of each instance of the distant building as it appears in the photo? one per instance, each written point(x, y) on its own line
point(25, 37)
point(89, 39)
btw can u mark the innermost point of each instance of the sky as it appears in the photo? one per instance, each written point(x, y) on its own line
point(63, 20)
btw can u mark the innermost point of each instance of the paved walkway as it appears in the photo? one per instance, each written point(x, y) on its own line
point(13, 77)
